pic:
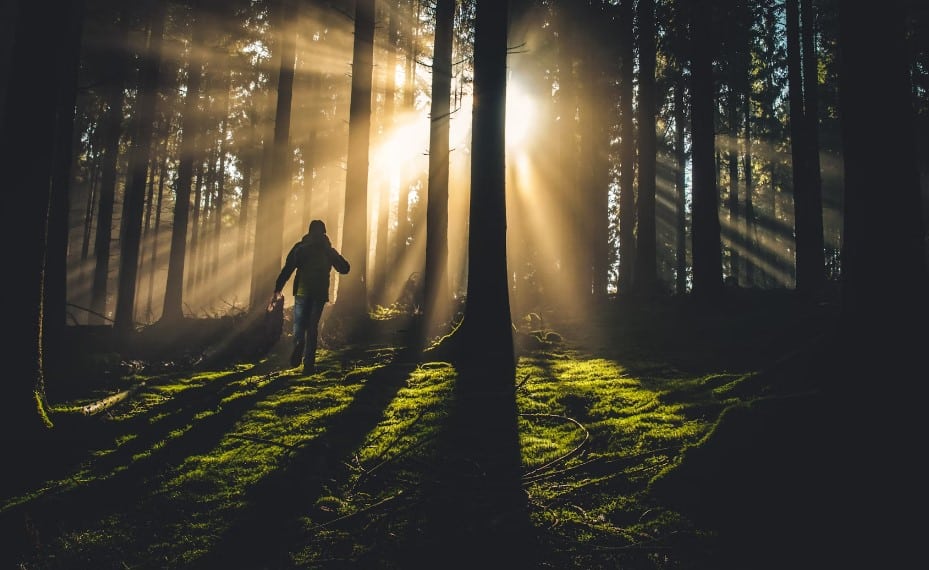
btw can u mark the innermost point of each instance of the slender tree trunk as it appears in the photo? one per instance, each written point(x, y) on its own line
point(195, 226)
point(383, 248)
point(646, 271)
point(404, 227)
point(436, 288)
point(90, 206)
point(812, 192)
point(138, 161)
point(156, 231)
point(269, 229)
point(174, 287)
point(112, 129)
point(810, 264)
point(353, 301)
point(221, 177)
point(707, 264)
point(627, 246)
point(680, 115)
point(750, 229)
point(732, 158)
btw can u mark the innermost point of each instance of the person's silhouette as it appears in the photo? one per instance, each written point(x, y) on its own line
point(313, 258)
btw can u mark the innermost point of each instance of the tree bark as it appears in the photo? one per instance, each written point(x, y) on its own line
point(56, 262)
point(810, 263)
point(133, 201)
point(174, 288)
point(28, 126)
point(112, 129)
point(627, 162)
point(680, 116)
point(352, 301)
point(487, 322)
point(646, 271)
point(269, 227)
point(435, 284)
point(707, 264)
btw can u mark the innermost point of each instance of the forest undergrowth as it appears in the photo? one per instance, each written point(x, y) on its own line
point(657, 435)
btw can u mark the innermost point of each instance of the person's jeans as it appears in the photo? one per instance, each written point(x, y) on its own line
point(306, 326)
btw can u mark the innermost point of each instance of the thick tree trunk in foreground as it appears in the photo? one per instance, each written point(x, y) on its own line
point(487, 324)
point(885, 282)
point(27, 158)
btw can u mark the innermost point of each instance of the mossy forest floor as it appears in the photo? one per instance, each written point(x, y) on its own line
point(659, 435)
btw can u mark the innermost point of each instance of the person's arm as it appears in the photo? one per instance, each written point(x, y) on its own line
point(338, 262)
point(290, 264)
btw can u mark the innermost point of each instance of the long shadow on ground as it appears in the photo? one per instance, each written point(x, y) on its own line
point(476, 509)
point(121, 475)
point(268, 528)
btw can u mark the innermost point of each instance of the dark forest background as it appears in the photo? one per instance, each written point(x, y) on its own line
point(478, 163)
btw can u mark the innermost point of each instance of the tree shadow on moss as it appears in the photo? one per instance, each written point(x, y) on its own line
point(268, 528)
point(476, 512)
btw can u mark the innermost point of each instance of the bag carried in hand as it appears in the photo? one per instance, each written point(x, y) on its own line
point(274, 321)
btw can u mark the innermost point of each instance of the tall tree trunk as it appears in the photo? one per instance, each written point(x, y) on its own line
point(749, 226)
point(221, 175)
point(138, 162)
point(707, 264)
point(353, 296)
point(884, 263)
point(487, 322)
point(435, 284)
point(680, 115)
point(269, 234)
point(112, 130)
point(572, 265)
point(196, 226)
point(646, 271)
point(174, 287)
point(28, 158)
point(812, 192)
point(884, 279)
point(56, 261)
point(810, 265)
point(732, 158)
point(627, 162)
point(383, 247)
point(156, 231)
point(404, 228)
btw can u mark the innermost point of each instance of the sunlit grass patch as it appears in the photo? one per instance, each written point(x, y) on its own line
point(594, 431)
point(413, 414)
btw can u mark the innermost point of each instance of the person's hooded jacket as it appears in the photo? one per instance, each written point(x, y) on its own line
point(313, 257)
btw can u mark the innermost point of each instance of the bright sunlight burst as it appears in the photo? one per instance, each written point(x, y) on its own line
point(519, 114)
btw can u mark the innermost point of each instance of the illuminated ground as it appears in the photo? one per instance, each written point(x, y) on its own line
point(377, 463)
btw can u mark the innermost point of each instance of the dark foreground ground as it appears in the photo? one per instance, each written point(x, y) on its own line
point(656, 435)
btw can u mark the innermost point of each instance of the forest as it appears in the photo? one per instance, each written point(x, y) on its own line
point(637, 284)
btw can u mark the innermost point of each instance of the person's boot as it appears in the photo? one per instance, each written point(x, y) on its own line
point(297, 355)
point(309, 365)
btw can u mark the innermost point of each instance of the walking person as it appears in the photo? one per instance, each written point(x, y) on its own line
point(313, 258)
